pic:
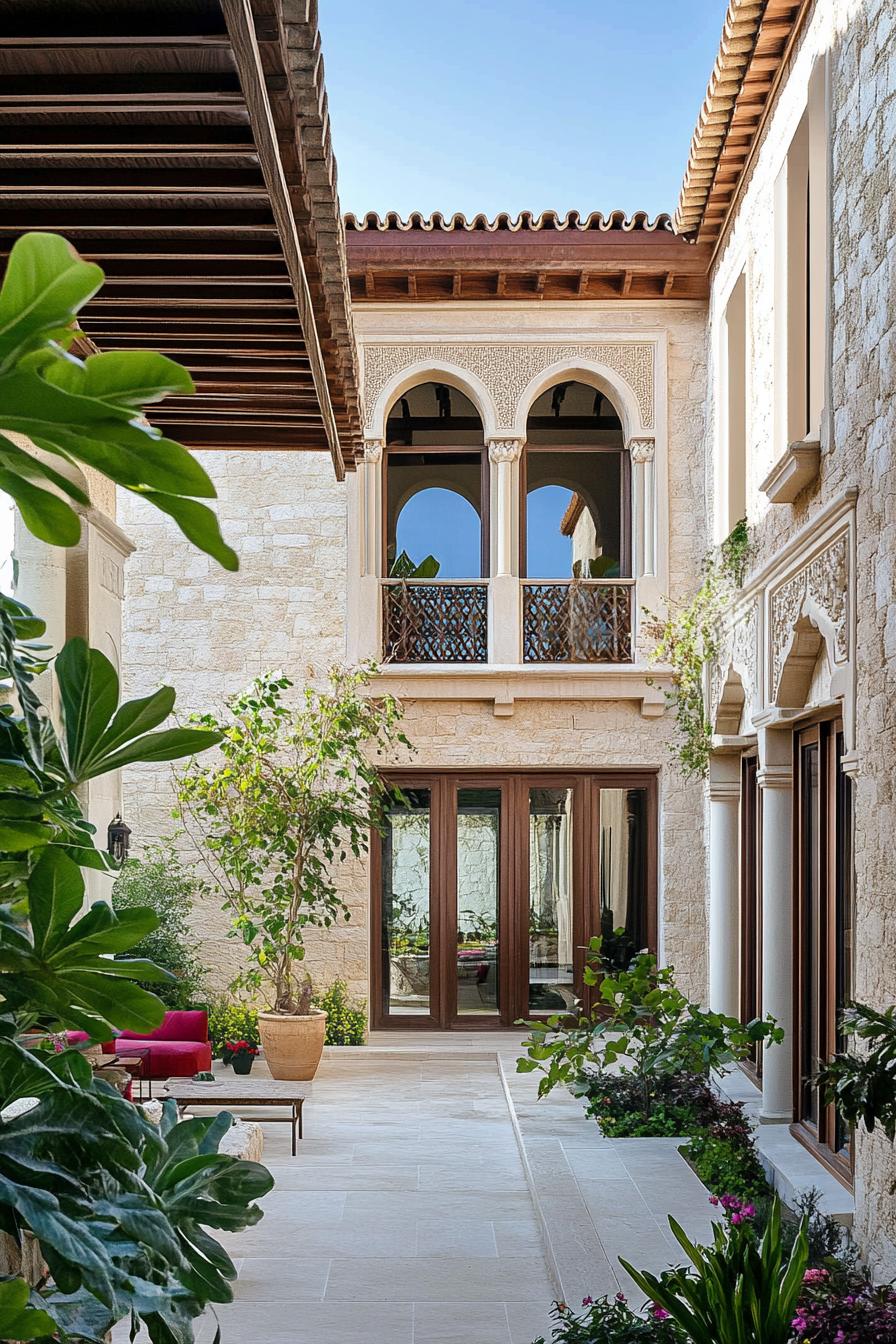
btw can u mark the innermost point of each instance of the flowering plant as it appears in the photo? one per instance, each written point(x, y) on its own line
point(865, 1316)
point(611, 1321)
point(240, 1048)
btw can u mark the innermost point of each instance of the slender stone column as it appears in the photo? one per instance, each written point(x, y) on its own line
point(504, 630)
point(724, 884)
point(370, 546)
point(775, 778)
point(643, 507)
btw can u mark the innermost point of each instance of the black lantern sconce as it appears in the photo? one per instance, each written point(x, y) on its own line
point(118, 840)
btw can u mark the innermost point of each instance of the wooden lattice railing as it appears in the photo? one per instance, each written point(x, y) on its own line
point(579, 621)
point(428, 622)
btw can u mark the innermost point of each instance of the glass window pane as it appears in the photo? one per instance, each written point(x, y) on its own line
point(811, 843)
point(551, 985)
point(623, 873)
point(406, 918)
point(574, 515)
point(478, 886)
point(434, 509)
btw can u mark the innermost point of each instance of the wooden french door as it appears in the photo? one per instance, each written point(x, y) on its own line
point(823, 853)
point(487, 886)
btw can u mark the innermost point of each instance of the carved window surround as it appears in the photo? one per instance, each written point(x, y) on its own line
point(793, 471)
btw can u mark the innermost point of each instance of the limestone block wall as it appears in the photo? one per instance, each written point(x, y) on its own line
point(863, 401)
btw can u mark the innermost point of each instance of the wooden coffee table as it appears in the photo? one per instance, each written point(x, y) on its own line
point(251, 1092)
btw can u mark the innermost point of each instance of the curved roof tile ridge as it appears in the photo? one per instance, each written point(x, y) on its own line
point(525, 221)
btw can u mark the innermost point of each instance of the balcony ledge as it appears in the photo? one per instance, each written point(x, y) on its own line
point(793, 471)
point(503, 684)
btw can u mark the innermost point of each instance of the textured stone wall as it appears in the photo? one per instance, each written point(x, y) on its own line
point(858, 432)
point(208, 633)
point(864, 431)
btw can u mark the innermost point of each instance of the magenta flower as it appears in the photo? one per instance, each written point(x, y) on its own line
point(659, 1313)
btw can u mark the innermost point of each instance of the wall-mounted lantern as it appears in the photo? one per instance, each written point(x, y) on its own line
point(118, 840)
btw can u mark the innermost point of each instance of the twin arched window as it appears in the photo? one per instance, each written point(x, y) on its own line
point(574, 487)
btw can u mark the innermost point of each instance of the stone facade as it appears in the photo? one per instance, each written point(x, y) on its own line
point(817, 578)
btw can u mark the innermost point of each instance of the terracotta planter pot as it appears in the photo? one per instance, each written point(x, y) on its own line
point(292, 1045)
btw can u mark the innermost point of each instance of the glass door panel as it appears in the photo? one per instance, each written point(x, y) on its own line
point(810, 841)
point(623, 878)
point(478, 900)
point(551, 936)
point(407, 971)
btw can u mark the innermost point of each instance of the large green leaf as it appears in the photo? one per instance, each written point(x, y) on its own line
point(19, 1317)
point(100, 736)
point(46, 282)
point(122, 377)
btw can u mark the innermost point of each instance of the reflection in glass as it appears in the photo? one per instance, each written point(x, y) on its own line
point(623, 874)
point(478, 884)
point(574, 515)
point(406, 945)
point(434, 512)
point(551, 987)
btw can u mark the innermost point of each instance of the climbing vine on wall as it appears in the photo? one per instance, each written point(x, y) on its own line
point(688, 640)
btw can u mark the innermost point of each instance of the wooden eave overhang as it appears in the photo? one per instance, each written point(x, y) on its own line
point(757, 40)
point(429, 259)
point(184, 145)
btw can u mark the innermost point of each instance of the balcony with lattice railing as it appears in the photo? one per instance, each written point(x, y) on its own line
point(578, 621)
point(435, 622)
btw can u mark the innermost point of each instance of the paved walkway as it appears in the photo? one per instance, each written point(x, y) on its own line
point(412, 1215)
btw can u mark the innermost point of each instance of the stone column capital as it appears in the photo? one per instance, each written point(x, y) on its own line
point(373, 450)
point(724, 791)
point(775, 777)
point(504, 450)
point(642, 450)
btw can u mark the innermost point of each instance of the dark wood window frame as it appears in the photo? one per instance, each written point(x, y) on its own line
point(513, 915)
point(831, 830)
point(406, 450)
point(625, 503)
point(751, 903)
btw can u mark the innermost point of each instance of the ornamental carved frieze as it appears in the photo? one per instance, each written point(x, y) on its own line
point(738, 651)
point(373, 450)
point(506, 369)
point(824, 580)
point(642, 450)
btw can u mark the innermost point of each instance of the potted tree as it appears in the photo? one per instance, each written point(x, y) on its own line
point(293, 791)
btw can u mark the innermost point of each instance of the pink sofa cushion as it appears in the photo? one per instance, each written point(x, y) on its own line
point(167, 1059)
point(184, 1024)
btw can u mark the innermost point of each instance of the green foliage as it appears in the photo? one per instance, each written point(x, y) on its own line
point(294, 791)
point(745, 1289)
point(688, 640)
point(863, 1086)
point(231, 1021)
point(680, 1103)
point(346, 1021)
point(159, 882)
point(403, 567)
point(119, 1207)
point(642, 1023)
point(609, 1321)
point(85, 411)
point(727, 1166)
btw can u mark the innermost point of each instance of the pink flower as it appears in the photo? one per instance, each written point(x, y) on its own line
point(587, 1301)
point(736, 1219)
point(621, 1297)
point(748, 1211)
point(815, 1276)
point(659, 1313)
point(714, 1200)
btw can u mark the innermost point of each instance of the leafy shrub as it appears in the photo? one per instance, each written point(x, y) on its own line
point(346, 1021)
point(642, 1024)
point(864, 1316)
point(231, 1021)
point(609, 1321)
point(683, 1103)
point(743, 1289)
point(863, 1086)
point(160, 883)
point(727, 1166)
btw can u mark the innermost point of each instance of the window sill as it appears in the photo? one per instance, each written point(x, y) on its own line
point(793, 471)
point(503, 684)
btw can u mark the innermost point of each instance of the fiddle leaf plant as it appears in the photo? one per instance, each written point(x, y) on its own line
point(294, 790)
point(119, 1207)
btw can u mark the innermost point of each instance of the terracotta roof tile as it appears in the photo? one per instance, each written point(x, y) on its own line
point(505, 222)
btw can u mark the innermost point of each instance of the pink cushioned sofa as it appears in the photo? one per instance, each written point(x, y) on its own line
point(177, 1049)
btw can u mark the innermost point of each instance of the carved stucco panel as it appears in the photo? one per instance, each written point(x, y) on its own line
point(507, 369)
point(825, 579)
point(738, 651)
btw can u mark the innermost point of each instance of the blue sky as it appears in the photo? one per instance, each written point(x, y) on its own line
point(515, 104)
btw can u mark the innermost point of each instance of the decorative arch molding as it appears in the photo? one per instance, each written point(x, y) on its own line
point(603, 376)
point(503, 378)
point(738, 660)
point(819, 592)
point(390, 379)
